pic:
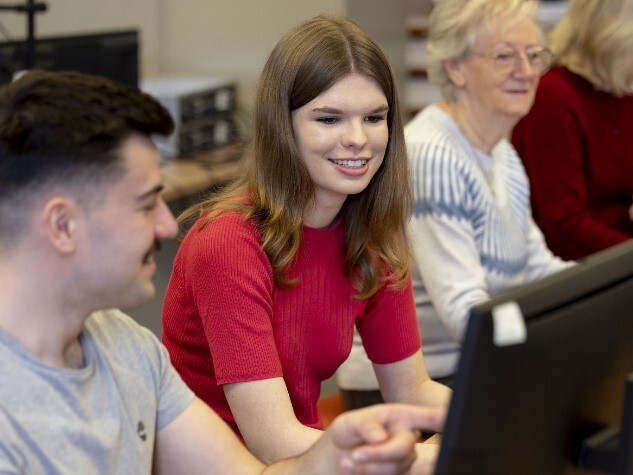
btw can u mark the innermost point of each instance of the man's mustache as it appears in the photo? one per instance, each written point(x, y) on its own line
point(153, 250)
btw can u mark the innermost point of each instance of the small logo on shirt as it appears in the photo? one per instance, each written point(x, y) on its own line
point(140, 430)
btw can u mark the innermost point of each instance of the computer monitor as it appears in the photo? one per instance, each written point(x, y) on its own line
point(110, 53)
point(543, 371)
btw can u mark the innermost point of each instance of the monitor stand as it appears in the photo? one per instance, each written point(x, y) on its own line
point(610, 450)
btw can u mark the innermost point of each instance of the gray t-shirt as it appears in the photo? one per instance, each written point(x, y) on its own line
point(102, 418)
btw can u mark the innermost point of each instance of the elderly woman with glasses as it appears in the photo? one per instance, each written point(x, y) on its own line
point(472, 230)
point(577, 141)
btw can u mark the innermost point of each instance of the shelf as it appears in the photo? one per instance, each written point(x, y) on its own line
point(419, 92)
point(418, 26)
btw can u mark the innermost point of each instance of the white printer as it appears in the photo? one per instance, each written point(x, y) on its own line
point(202, 109)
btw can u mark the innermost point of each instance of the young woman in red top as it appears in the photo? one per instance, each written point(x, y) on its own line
point(278, 269)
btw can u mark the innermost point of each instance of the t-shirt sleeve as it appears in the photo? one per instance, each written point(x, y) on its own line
point(142, 352)
point(231, 282)
point(174, 395)
point(389, 328)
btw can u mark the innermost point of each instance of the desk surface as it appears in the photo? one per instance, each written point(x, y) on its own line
point(186, 177)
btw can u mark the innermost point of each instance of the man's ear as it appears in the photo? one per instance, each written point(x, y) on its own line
point(60, 221)
point(455, 71)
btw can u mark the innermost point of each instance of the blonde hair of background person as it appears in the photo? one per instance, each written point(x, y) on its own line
point(595, 40)
point(455, 31)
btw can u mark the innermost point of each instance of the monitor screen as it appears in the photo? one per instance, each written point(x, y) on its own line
point(542, 373)
point(112, 53)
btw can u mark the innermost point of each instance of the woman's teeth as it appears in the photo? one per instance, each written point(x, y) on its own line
point(350, 163)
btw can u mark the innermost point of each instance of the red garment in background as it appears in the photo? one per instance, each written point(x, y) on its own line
point(577, 147)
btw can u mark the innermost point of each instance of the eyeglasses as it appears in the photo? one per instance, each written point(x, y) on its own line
point(509, 60)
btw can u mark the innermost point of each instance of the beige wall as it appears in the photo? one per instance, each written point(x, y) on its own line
point(228, 38)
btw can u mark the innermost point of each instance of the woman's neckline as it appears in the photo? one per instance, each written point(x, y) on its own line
point(474, 139)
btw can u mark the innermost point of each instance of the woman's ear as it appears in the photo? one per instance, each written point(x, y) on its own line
point(455, 71)
point(59, 220)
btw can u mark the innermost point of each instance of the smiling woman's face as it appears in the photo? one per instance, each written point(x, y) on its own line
point(492, 91)
point(342, 135)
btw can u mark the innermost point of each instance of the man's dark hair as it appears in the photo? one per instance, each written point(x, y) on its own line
point(67, 128)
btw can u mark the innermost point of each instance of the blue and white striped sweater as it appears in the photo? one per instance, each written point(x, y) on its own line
point(472, 231)
point(487, 193)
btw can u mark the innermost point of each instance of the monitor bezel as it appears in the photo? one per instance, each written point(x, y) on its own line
point(116, 54)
